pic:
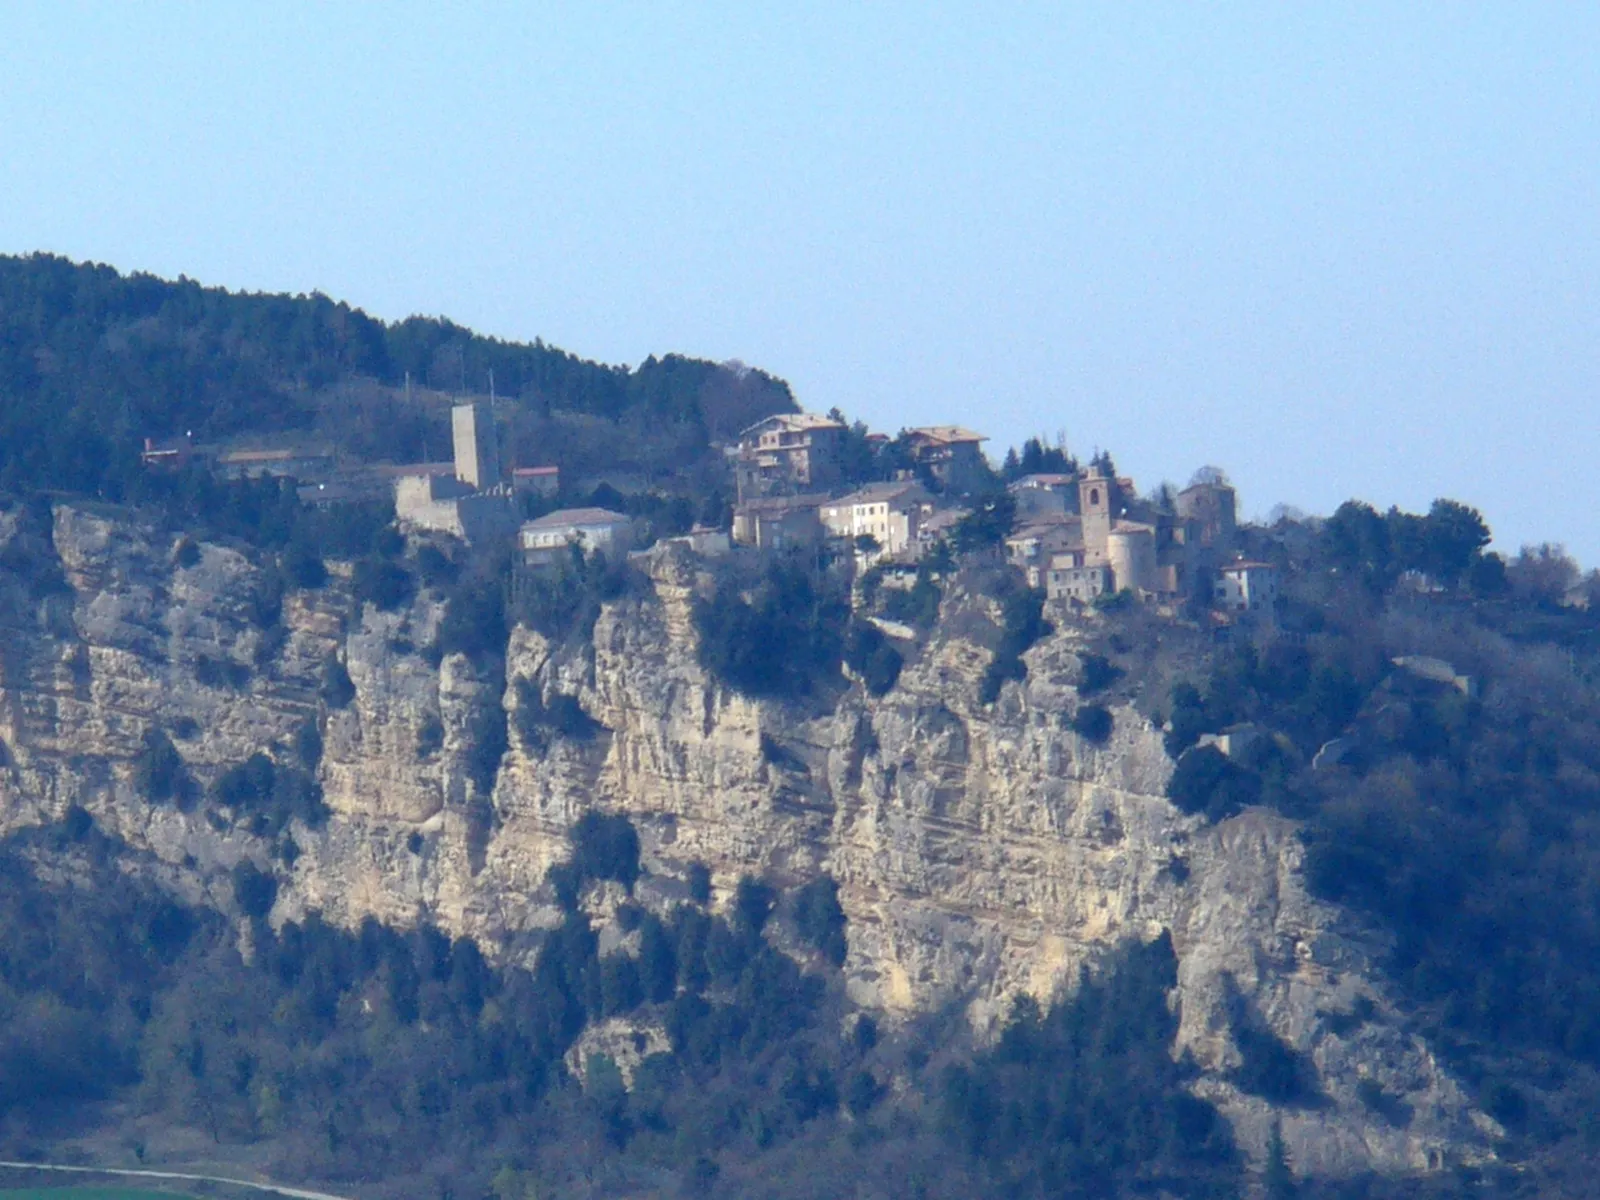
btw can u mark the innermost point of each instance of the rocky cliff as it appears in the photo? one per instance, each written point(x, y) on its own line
point(981, 850)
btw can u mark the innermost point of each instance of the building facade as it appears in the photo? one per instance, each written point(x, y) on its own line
point(889, 513)
point(1249, 587)
point(788, 453)
point(594, 529)
point(778, 522)
point(477, 448)
point(950, 454)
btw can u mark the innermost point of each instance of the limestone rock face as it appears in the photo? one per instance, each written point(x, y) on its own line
point(982, 851)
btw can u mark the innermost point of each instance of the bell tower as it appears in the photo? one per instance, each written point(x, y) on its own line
point(1094, 507)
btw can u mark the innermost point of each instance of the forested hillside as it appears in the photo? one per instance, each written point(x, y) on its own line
point(93, 361)
point(1416, 716)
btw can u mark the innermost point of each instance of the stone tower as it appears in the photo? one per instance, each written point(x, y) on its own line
point(1094, 506)
point(477, 451)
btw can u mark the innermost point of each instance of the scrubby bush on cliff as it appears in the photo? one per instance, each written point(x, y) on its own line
point(563, 717)
point(1093, 723)
point(606, 846)
point(338, 690)
point(783, 636)
point(820, 920)
point(873, 657)
point(382, 582)
point(1022, 624)
point(487, 747)
point(474, 621)
point(265, 796)
point(253, 890)
point(1207, 781)
point(563, 601)
point(159, 772)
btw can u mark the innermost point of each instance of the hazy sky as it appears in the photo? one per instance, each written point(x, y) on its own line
point(1337, 249)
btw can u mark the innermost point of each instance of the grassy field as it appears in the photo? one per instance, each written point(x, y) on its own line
point(85, 1193)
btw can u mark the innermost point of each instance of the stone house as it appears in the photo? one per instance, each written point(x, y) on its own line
point(306, 464)
point(788, 453)
point(536, 481)
point(1212, 508)
point(887, 512)
point(1040, 496)
point(444, 504)
point(1248, 586)
point(465, 497)
point(591, 528)
point(1033, 547)
point(778, 522)
point(1067, 579)
point(951, 454)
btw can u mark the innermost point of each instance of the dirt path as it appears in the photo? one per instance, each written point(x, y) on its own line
point(278, 1188)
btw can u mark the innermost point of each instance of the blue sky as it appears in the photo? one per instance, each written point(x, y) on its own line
point(1340, 251)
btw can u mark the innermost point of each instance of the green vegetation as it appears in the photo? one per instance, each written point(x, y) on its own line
point(1022, 624)
point(870, 654)
point(1087, 1099)
point(782, 635)
point(1452, 804)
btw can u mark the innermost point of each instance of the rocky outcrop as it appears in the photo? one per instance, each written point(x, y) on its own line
point(982, 851)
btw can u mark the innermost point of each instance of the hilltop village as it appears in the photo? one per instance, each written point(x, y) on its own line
point(1080, 535)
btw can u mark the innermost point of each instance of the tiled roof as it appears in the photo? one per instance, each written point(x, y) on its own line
point(947, 434)
point(564, 517)
point(795, 422)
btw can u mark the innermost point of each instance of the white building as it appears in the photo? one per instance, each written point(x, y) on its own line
point(1249, 586)
point(889, 513)
point(592, 528)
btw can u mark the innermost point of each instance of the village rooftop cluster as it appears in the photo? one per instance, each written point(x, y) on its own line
point(1079, 536)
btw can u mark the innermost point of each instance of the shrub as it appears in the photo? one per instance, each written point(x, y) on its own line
point(253, 889)
point(1272, 1069)
point(780, 640)
point(820, 920)
point(308, 745)
point(435, 567)
point(488, 747)
point(606, 846)
point(563, 716)
point(1207, 781)
point(474, 621)
point(158, 772)
point(382, 582)
point(1188, 720)
point(1099, 673)
point(700, 883)
point(430, 737)
point(872, 657)
point(1022, 624)
point(1093, 723)
point(752, 904)
point(269, 795)
point(337, 687)
point(220, 673)
point(303, 566)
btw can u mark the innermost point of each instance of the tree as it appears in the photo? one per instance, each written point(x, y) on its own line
point(1454, 536)
point(987, 525)
point(1277, 1179)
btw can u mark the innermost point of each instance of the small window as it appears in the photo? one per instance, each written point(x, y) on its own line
point(1094, 495)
